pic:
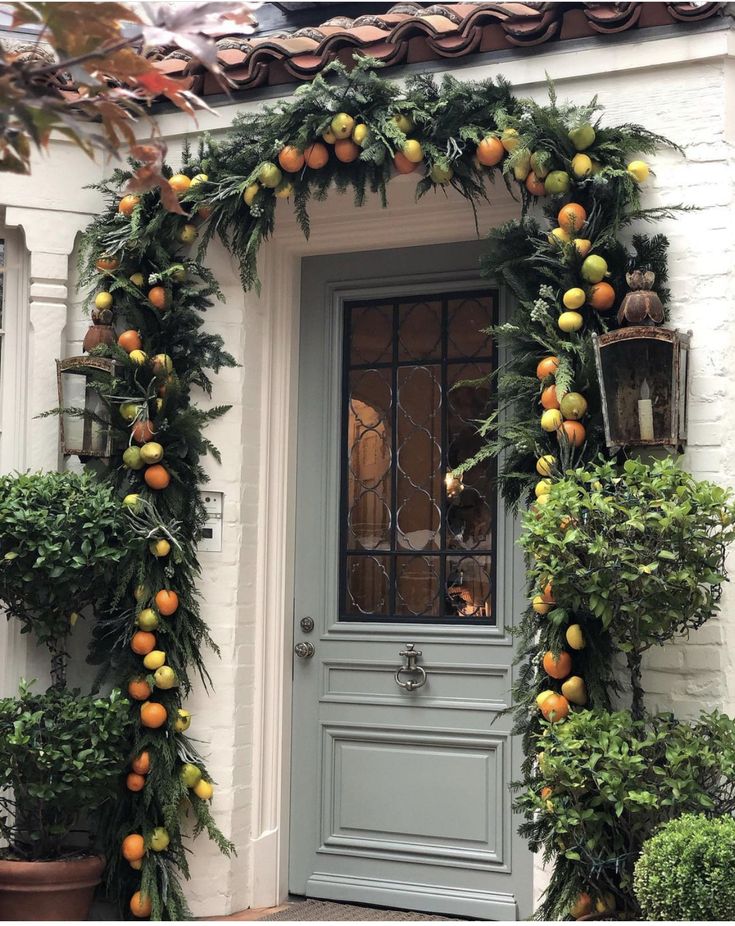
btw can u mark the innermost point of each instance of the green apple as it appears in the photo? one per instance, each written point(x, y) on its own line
point(132, 501)
point(573, 405)
point(582, 137)
point(148, 619)
point(128, 411)
point(594, 268)
point(132, 459)
point(557, 182)
point(165, 678)
point(160, 839)
point(269, 175)
point(441, 174)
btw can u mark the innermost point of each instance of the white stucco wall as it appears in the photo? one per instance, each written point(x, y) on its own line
point(681, 86)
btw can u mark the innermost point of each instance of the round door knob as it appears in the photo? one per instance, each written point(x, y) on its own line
point(304, 650)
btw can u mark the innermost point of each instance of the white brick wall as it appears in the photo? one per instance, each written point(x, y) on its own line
point(678, 87)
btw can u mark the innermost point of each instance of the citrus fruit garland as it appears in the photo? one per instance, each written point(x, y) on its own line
point(361, 131)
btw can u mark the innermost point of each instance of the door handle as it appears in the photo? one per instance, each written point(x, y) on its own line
point(409, 666)
point(304, 650)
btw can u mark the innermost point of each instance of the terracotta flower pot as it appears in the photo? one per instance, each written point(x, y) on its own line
point(49, 890)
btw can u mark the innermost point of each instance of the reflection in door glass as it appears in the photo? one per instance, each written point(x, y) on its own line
point(417, 543)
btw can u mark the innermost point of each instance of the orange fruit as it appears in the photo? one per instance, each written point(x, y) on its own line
point(157, 476)
point(107, 264)
point(157, 297)
point(141, 764)
point(346, 150)
point(546, 793)
point(548, 397)
point(549, 594)
point(557, 666)
point(130, 340)
point(535, 186)
point(127, 204)
point(135, 782)
point(490, 151)
point(167, 602)
point(142, 642)
point(601, 297)
point(133, 847)
point(142, 431)
point(555, 708)
point(547, 367)
point(402, 164)
point(574, 431)
point(140, 905)
point(153, 715)
point(316, 155)
point(291, 159)
point(139, 689)
point(180, 183)
point(572, 217)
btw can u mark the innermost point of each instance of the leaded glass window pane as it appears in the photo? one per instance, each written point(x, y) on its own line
point(417, 544)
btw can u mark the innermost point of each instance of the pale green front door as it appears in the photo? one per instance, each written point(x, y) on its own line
point(400, 785)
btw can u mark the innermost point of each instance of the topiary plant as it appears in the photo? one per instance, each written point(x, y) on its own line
point(62, 538)
point(687, 870)
point(640, 550)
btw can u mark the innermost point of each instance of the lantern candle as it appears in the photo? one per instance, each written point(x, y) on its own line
point(645, 412)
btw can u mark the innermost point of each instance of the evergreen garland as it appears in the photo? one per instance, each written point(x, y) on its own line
point(548, 156)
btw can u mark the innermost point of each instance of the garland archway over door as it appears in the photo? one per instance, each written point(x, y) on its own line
point(578, 186)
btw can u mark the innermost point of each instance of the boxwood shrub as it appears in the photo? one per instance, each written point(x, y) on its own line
point(686, 871)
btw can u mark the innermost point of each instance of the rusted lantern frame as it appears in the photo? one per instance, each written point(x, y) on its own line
point(677, 417)
point(81, 365)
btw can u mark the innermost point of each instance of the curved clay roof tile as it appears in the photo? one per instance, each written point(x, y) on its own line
point(612, 17)
point(692, 12)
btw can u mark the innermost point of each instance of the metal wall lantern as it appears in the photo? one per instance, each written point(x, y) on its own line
point(89, 435)
point(642, 373)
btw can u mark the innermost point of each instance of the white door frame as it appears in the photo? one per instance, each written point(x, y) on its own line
point(337, 226)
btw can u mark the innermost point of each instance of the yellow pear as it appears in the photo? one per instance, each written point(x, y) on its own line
point(575, 637)
point(575, 690)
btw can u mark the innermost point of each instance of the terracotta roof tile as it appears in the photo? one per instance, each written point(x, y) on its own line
point(412, 32)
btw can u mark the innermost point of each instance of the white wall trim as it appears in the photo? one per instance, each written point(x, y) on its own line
point(336, 228)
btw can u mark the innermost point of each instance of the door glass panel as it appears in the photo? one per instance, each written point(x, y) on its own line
point(417, 542)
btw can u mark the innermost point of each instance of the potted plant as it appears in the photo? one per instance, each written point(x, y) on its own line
point(60, 751)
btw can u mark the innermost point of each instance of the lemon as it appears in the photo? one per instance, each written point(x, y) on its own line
point(154, 660)
point(559, 235)
point(360, 134)
point(545, 464)
point(574, 298)
point(583, 246)
point(413, 151)
point(284, 190)
point(639, 170)
point(183, 720)
point(539, 605)
point(542, 487)
point(132, 501)
point(159, 548)
point(103, 301)
point(250, 193)
point(575, 637)
point(570, 321)
point(551, 420)
point(197, 179)
point(581, 166)
point(137, 279)
point(152, 452)
point(138, 357)
point(203, 790)
point(165, 678)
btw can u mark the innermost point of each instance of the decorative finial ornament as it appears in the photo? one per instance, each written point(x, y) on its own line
point(641, 306)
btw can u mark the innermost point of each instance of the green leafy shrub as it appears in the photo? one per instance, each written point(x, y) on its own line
point(62, 537)
point(613, 781)
point(687, 870)
point(61, 754)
